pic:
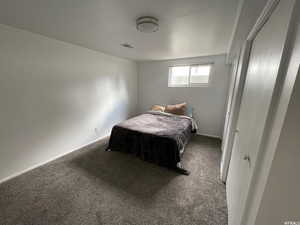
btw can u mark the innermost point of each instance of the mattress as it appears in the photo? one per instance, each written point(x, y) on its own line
point(154, 136)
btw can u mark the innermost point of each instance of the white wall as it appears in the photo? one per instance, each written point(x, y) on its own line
point(53, 95)
point(208, 102)
point(281, 198)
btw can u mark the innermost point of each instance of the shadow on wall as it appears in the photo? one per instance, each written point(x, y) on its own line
point(105, 104)
point(116, 107)
point(55, 117)
point(54, 95)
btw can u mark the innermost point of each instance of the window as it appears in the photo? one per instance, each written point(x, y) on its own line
point(189, 76)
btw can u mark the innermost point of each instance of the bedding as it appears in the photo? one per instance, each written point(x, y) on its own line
point(154, 136)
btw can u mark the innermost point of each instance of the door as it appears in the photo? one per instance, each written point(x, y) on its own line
point(227, 142)
point(263, 68)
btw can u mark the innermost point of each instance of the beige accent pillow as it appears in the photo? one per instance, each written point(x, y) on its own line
point(158, 108)
point(178, 109)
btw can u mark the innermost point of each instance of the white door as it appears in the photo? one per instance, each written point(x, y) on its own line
point(234, 110)
point(263, 68)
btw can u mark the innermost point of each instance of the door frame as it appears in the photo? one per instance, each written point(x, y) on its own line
point(233, 71)
point(240, 77)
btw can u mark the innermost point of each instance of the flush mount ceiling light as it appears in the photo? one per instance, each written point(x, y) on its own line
point(147, 24)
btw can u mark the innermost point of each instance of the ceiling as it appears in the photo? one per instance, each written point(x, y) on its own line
point(188, 28)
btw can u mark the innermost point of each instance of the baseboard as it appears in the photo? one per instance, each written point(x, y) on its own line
point(98, 142)
point(209, 135)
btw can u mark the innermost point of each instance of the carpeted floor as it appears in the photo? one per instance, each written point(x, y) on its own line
point(97, 187)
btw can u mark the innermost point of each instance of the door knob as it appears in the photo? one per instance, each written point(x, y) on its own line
point(247, 158)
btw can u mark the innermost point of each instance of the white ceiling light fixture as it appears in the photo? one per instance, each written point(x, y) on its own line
point(147, 24)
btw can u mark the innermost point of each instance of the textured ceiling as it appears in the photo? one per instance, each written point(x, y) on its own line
point(188, 28)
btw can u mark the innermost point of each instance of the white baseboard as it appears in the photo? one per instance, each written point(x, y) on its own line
point(209, 135)
point(98, 142)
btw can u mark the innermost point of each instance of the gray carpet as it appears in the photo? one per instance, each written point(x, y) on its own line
point(97, 187)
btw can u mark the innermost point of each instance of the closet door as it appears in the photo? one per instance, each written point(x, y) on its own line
point(263, 68)
point(230, 126)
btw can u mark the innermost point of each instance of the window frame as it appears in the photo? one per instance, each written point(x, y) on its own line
point(189, 85)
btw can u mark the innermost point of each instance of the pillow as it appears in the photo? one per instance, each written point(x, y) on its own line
point(178, 109)
point(158, 108)
point(189, 111)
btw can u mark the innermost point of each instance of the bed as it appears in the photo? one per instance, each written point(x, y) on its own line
point(154, 136)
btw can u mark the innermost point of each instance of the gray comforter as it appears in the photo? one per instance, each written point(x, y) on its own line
point(153, 136)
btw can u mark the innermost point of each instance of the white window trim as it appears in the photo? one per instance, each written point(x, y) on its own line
point(189, 85)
